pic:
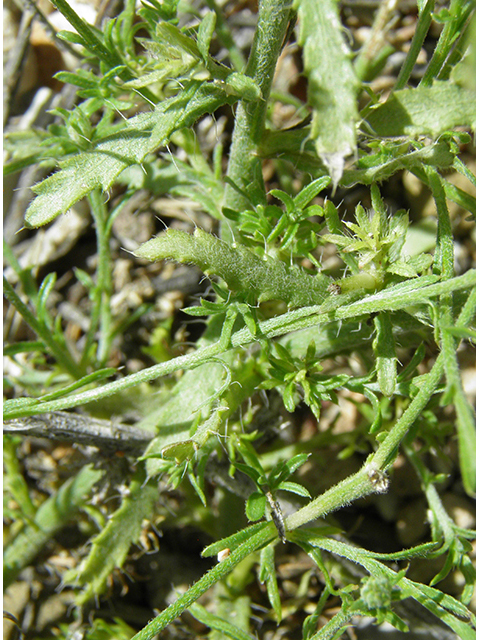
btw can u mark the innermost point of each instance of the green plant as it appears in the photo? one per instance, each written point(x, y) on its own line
point(279, 319)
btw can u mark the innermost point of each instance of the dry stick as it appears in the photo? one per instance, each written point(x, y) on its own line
point(72, 427)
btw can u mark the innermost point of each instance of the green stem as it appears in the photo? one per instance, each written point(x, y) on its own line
point(335, 625)
point(223, 568)
point(452, 192)
point(245, 167)
point(433, 499)
point(365, 481)
point(444, 263)
point(104, 287)
point(385, 453)
point(292, 321)
point(465, 422)
point(460, 12)
point(354, 487)
point(423, 25)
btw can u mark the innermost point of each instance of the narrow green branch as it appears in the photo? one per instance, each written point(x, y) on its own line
point(16, 408)
point(355, 486)
point(371, 477)
point(386, 452)
point(291, 321)
point(223, 568)
point(444, 263)
point(104, 287)
point(423, 25)
point(465, 422)
point(245, 167)
point(460, 12)
point(383, 456)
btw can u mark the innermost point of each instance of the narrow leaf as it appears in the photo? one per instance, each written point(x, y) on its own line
point(205, 33)
point(309, 192)
point(297, 461)
point(55, 513)
point(294, 487)
point(218, 624)
point(232, 541)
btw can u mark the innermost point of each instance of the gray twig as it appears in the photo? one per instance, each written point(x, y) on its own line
point(73, 427)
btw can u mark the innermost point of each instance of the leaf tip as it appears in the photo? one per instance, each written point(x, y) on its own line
point(335, 163)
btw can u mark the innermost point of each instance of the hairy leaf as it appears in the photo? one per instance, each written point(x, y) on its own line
point(103, 163)
point(242, 270)
point(54, 513)
point(424, 111)
point(227, 629)
point(332, 86)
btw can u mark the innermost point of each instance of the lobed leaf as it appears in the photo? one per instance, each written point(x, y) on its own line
point(99, 166)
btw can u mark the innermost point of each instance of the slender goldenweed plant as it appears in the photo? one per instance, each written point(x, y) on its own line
point(277, 317)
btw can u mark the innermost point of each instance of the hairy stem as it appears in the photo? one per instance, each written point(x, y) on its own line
point(104, 285)
point(244, 167)
point(371, 477)
point(255, 542)
point(291, 321)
